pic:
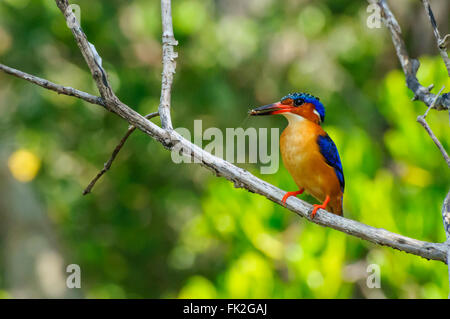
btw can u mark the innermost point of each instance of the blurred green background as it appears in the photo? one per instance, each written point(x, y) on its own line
point(154, 229)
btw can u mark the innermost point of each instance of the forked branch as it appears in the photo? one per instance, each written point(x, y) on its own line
point(409, 66)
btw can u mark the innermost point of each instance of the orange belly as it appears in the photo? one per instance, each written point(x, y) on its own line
point(302, 158)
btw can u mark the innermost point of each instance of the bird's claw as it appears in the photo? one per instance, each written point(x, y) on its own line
point(289, 194)
point(322, 206)
point(314, 211)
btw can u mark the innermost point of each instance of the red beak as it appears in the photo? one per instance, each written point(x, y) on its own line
point(271, 109)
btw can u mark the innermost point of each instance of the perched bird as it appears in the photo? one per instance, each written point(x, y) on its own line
point(308, 153)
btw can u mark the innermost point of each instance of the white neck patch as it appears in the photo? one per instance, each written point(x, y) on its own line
point(317, 113)
point(293, 118)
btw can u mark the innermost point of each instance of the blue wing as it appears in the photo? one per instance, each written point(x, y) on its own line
point(330, 153)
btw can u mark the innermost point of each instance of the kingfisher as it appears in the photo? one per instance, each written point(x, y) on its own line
point(308, 153)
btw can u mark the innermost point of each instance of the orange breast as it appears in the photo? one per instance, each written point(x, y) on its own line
point(302, 158)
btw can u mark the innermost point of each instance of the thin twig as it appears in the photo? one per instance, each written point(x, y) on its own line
point(169, 63)
point(116, 151)
point(66, 90)
point(421, 119)
point(440, 42)
point(443, 43)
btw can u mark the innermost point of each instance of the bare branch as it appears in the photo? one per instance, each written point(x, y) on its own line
point(169, 66)
point(446, 221)
point(423, 122)
point(244, 179)
point(169, 63)
point(446, 216)
point(440, 42)
point(409, 66)
point(93, 61)
point(88, 50)
point(241, 178)
point(52, 86)
point(116, 151)
point(438, 102)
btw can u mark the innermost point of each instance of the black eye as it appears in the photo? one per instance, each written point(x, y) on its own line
point(298, 102)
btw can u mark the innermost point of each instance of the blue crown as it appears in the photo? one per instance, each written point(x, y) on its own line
point(308, 98)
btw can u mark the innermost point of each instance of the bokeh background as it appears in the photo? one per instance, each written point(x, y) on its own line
point(154, 229)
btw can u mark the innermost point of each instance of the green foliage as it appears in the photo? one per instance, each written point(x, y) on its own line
point(152, 228)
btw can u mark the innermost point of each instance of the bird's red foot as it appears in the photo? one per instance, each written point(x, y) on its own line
point(289, 194)
point(323, 206)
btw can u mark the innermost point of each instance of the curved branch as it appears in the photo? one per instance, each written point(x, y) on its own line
point(244, 179)
point(241, 178)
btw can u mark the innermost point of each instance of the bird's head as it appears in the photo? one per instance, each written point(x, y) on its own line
point(295, 104)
